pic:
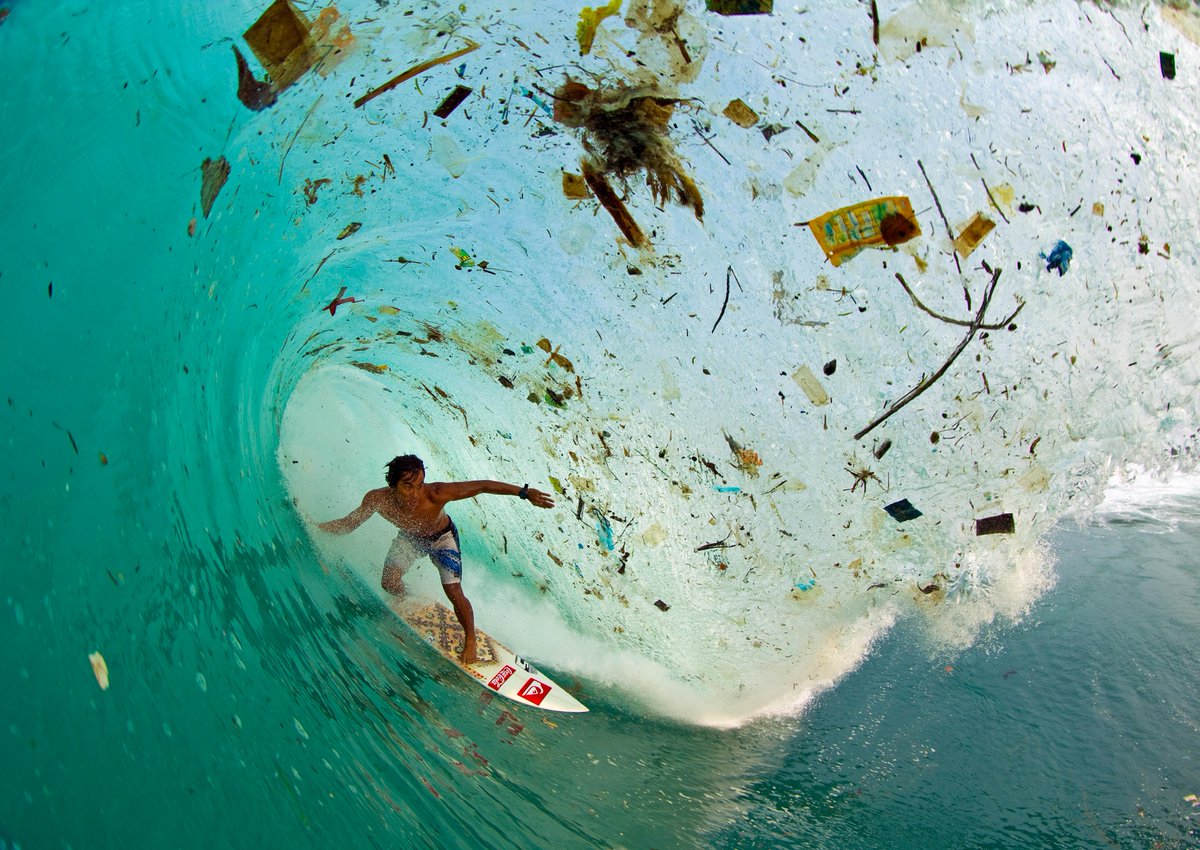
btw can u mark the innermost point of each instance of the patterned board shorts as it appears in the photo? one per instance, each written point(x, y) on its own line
point(443, 551)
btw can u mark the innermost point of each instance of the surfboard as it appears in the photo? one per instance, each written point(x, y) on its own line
point(498, 669)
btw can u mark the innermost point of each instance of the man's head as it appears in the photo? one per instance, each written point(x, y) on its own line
point(404, 468)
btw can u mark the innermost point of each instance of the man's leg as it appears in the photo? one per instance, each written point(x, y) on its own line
point(466, 618)
point(399, 558)
point(393, 579)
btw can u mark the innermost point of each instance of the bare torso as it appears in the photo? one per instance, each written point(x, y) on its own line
point(419, 513)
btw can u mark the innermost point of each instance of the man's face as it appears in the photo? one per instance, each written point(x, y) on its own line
point(408, 487)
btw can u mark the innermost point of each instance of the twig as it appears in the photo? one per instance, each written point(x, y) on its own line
point(728, 273)
point(710, 144)
point(414, 71)
point(318, 268)
point(810, 133)
point(996, 327)
point(989, 191)
point(609, 200)
point(938, 203)
point(932, 379)
point(875, 23)
point(720, 544)
point(864, 177)
point(295, 136)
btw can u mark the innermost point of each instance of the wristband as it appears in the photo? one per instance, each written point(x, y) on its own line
point(524, 492)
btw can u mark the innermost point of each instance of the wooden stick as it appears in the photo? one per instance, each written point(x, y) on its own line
point(949, 231)
point(989, 191)
point(295, 136)
point(996, 327)
point(728, 272)
point(414, 71)
point(608, 198)
point(932, 379)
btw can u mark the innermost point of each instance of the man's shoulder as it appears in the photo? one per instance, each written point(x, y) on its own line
point(376, 496)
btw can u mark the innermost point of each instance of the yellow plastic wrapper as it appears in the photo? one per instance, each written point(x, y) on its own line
point(881, 222)
point(589, 19)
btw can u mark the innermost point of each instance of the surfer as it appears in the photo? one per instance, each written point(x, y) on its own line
point(418, 510)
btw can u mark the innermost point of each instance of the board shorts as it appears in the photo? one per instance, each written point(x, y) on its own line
point(442, 548)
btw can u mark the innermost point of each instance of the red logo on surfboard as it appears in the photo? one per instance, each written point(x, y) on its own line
point(501, 677)
point(534, 691)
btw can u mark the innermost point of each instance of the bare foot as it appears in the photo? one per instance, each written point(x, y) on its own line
point(469, 655)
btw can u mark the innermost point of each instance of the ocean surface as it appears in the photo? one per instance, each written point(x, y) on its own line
point(773, 571)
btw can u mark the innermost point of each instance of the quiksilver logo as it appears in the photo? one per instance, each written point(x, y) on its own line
point(534, 691)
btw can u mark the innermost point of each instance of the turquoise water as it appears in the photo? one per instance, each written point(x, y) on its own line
point(176, 404)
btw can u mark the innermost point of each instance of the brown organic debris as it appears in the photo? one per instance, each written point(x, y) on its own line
point(253, 93)
point(452, 101)
point(312, 186)
point(282, 41)
point(741, 114)
point(626, 133)
point(214, 173)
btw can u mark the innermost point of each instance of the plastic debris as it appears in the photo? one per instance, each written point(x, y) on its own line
point(589, 19)
point(1060, 258)
point(998, 524)
point(728, 489)
point(464, 259)
point(740, 7)
point(604, 530)
point(213, 174)
point(844, 232)
point(253, 93)
point(373, 368)
point(338, 301)
point(973, 233)
point(1166, 64)
point(452, 101)
point(741, 114)
point(99, 669)
point(811, 386)
point(805, 584)
point(575, 187)
point(281, 40)
point(902, 511)
point(333, 42)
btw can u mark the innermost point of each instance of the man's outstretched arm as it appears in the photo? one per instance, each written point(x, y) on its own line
point(353, 519)
point(453, 490)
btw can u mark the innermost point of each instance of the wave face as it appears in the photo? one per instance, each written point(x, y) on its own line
point(184, 388)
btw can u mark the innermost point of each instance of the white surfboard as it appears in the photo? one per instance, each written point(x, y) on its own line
point(498, 669)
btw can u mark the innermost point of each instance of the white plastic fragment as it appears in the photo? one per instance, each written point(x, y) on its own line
point(811, 386)
point(100, 669)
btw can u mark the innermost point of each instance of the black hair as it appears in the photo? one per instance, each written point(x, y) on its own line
point(401, 467)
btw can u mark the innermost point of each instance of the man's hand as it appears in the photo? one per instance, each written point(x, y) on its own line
point(537, 497)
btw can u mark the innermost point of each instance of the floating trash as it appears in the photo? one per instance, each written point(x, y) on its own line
point(902, 511)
